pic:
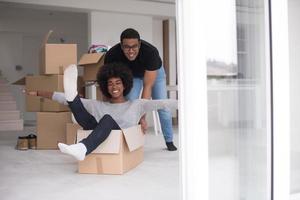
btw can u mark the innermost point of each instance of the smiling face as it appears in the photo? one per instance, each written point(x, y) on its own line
point(130, 48)
point(115, 88)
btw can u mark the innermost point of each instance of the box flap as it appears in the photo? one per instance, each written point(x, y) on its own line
point(134, 137)
point(110, 145)
point(21, 81)
point(47, 37)
point(90, 58)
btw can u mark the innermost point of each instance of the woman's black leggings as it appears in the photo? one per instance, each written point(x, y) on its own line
point(101, 129)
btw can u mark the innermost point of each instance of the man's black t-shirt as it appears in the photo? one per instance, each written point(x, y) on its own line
point(147, 59)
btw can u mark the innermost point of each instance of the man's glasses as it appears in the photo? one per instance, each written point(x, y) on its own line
point(133, 47)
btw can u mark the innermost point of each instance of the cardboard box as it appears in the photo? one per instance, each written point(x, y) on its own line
point(21, 81)
point(44, 83)
point(54, 58)
point(71, 133)
point(91, 63)
point(39, 104)
point(51, 128)
point(121, 151)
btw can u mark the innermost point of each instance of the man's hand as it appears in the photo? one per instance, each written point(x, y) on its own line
point(149, 80)
point(143, 124)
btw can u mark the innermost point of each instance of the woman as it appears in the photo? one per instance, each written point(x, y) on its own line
point(115, 81)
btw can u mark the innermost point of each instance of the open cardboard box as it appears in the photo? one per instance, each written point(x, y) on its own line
point(54, 58)
point(121, 151)
point(91, 62)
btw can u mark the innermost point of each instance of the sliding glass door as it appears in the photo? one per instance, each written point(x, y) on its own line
point(238, 80)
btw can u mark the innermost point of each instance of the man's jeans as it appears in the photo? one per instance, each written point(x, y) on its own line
point(159, 91)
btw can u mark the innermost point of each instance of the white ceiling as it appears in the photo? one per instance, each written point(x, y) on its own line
point(160, 1)
point(156, 8)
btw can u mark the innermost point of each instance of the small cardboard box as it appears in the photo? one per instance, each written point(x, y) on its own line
point(91, 62)
point(44, 83)
point(54, 58)
point(121, 151)
point(71, 133)
point(51, 128)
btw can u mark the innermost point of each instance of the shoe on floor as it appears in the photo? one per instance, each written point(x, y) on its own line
point(171, 146)
point(22, 143)
point(31, 141)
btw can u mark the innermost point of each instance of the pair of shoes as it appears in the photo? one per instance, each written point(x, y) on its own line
point(26, 142)
point(171, 146)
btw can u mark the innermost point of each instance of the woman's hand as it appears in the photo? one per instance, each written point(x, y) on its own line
point(31, 93)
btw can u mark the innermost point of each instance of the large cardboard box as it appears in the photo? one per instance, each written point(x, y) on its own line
point(51, 128)
point(71, 133)
point(54, 58)
point(91, 63)
point(44, 83)
point(121, 151)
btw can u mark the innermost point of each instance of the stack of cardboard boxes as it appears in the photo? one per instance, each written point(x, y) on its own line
point(51, 116)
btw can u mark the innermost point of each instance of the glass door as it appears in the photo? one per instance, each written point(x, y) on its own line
point(239, 100)
point(234, 100)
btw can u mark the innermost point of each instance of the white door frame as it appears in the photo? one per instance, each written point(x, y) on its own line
point(281, 99)
point(193, 130)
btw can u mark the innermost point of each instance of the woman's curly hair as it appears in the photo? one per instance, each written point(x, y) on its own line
point(114, 70)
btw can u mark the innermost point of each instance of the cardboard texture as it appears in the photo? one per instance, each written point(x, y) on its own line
point(51, 128)
point(117, 154)
point(44, 83)
point(39, 104)
point(21, 81)
point(91, 63)
point(71, 133)
point(54, 58)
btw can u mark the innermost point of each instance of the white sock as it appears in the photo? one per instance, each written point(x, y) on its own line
point(78, 150)
point(70, 82)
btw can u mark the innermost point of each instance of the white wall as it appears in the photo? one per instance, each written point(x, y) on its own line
point(106, 27)
point(157, 35)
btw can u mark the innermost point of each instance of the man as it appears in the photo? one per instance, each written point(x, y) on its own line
point(149, 76)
